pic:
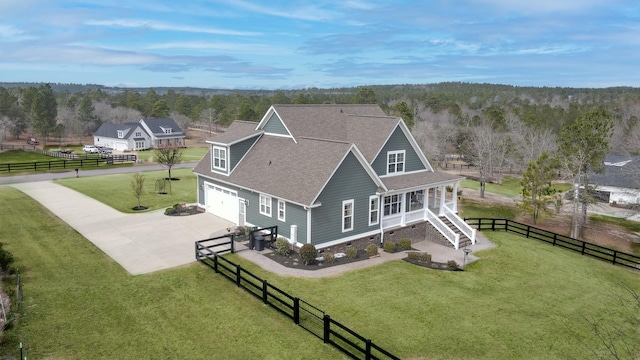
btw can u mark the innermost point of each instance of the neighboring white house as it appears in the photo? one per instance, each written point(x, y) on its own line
point(143, 135)
point(620, 181)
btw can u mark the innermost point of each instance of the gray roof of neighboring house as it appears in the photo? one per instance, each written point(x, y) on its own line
point(279, 167)
point(237, 131)
point(111, 130)
point(619, 171)
point(156, 126)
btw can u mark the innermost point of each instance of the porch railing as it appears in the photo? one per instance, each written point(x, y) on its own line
point(467, 230)
point(444, 229)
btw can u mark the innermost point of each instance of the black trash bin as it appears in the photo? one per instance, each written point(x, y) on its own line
point(259, 242)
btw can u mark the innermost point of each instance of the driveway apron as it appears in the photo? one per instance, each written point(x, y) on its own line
point(140, 243)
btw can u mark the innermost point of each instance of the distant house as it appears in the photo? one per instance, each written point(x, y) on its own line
point(328, 175)
point(620, 181)
point(143, 135)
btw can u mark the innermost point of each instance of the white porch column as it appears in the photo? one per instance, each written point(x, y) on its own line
point(435, 190)
point(403, 209)
point(442, 196)
point(455, 197)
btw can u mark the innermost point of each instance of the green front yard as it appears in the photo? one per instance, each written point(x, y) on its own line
point(115, 190)
point(523, 299)
point(510, 186)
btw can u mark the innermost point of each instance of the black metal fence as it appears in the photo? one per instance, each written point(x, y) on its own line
point(583, 247)
point(307, 316)
point(66, 164)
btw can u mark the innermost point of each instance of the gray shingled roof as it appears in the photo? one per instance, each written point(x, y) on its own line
point(417, 179)
point(156, 125)
point(111, 130)
point(279, 167)
point(237, 131)
point(625, 176)
point(366, 126)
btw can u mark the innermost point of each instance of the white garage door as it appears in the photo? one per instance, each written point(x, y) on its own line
point(120, 146)
point(223, 203)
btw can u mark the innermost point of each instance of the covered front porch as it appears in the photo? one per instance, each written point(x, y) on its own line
point(436, 204)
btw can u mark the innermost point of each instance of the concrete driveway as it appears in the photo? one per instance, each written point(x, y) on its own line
point(140, 243)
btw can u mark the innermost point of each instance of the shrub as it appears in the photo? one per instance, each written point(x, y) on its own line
point(329, 258)
point(371, 249)
point(414, 256)
point(452, 264)
point(6, 259)
point(283, 247)
point(425, 257)
point(389, 246)
point(308, 253)
point(405, 243)
point(351, 252)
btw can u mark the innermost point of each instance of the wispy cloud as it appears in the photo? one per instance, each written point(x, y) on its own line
point(160, 26)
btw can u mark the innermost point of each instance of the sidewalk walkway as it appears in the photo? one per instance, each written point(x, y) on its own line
point(148, 242)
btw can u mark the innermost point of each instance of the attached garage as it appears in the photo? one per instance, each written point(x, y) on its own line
point(121, 146)
point(222, 202)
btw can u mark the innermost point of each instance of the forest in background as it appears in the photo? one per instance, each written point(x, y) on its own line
point(446, 118)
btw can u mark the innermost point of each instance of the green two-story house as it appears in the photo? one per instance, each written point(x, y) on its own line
point(327, 175)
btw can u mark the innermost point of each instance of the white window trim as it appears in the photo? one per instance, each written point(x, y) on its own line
point(282, 210)
point(404, 161)
point(213, 158)
point(120, 134)
point(391, 202)
point(265, 201)
point(138, 133)
point(345, 216)
point(375, 198)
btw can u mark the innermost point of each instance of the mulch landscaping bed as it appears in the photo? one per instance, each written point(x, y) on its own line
point(294, 261)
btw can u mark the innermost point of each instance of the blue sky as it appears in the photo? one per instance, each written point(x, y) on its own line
point(298, 44)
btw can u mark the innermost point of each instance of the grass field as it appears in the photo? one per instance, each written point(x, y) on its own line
point(20, 156)
point(510, 186)
point(523, 299)
point(115, 190)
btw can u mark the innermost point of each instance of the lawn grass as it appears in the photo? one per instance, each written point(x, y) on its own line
point(21, 156)
point(115, 190)
point(510, 186)
point(79, 304)
point(523, 299)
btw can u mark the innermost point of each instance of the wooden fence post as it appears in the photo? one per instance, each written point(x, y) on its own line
point(233, 246)
point(555, 236)
point(238, 276)
point(327, 328)
point(583, 246)
point(367, 353)
point(615, 254)
point(215, 263)
point(264, 292)
point(296, 311)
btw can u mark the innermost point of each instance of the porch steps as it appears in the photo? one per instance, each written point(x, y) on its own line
point(464, 239)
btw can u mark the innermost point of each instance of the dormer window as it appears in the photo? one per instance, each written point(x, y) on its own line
point(219, 158)
point(167, 130)
point(120, 134)
point(395, 161)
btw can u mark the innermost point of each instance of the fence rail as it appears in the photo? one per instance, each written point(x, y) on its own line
point(583, 247)
point(307, 316)
point(66, 164)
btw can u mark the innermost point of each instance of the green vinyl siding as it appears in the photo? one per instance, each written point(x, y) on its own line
point(237, 151)
point(275, 126)
point(295, 215)
point(398, 141)
point(350, 181)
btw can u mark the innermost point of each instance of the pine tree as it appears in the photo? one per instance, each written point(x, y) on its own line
point(44, 110)
point(537, 188)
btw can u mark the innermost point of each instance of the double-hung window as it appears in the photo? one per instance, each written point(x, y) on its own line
point(392, 204)
point(265, 205)
point(395, 161)
point(347, 215)
point(282, 210)
point(374, 210)
point(219, 158)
